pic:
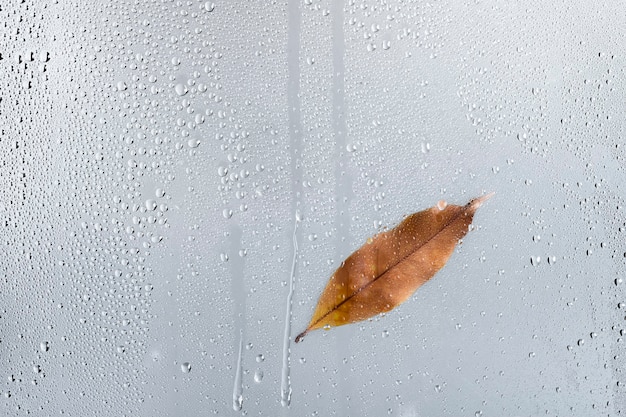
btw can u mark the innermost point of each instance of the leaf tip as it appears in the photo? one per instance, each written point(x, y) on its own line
point(477, 202)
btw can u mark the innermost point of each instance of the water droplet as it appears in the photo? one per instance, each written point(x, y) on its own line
point(442, 204)
point(260, 358)
point(151, 205)
point(185, 367)
point(44, 346)
point(209, 6)
point(258, 376)
point(181, 89)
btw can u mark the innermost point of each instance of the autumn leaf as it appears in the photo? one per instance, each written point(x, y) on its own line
point(387, 270)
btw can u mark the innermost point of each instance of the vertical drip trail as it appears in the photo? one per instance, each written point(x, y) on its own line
point(285, 381)
point(343, 180)
point(295, 146)
point(238, 385)
point(238, 295)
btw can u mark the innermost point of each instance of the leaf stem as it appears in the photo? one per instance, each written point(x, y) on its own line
point(301, 336)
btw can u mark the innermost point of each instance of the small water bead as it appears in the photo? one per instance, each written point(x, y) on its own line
point(151, 204)
point(181, 89)
point(185, 367)
point(44, 346)
point(260, 358)
point(209, 6)
point(258, 376)
point(442, 204)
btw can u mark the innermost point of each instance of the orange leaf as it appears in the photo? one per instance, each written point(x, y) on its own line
point(387, 270)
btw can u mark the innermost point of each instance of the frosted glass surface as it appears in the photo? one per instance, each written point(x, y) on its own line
point(179, 179)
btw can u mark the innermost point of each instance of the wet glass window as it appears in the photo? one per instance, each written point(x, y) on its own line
point(270, 208)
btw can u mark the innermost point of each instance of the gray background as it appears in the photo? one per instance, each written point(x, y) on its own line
point(154, 155)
